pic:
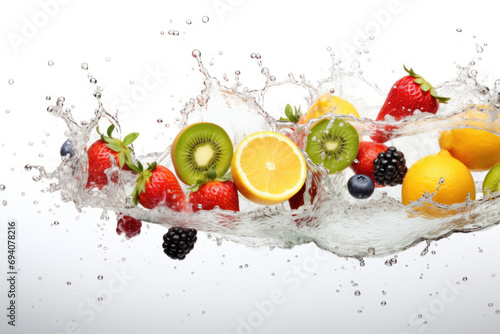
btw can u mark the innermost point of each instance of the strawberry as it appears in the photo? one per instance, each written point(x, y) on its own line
point(407, 94)
point(212, 192)
point(157, 186)
point(363, 164)
point(99, 157)
point(128, 225)
point(297, 200)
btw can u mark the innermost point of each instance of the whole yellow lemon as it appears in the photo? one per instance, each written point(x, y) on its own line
point(442, 174)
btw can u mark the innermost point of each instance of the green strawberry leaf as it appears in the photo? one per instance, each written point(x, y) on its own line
point(122, 158)
point(115, 146)
point(110, 130)
point(292, 115)
point(129, 139)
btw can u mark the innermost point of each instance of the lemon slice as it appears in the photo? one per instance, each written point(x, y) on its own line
point(268, 168)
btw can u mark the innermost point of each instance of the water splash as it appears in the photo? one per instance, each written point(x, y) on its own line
point(335, 221)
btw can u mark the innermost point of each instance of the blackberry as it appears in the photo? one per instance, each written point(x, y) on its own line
point(178, 242)
point(389, 168)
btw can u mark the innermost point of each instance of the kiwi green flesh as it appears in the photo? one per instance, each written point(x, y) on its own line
point(200, 147)
point(491, 181)
point(333, 144)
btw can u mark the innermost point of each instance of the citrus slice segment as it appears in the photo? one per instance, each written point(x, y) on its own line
point(268, 168)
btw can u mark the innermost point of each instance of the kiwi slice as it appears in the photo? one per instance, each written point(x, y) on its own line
point(198, 148)
point(491, 183)
point(333, 144)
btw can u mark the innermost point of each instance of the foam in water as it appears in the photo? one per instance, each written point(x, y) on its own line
point(336, 222)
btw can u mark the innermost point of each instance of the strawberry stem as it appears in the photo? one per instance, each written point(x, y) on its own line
point(122, 147)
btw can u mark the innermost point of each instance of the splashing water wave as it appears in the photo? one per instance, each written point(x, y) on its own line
point(336, 222)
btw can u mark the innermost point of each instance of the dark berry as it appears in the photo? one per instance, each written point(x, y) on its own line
point(178, 242)
point(67, 149)
point(128, 225)
point(360, 186)
point(389, 168)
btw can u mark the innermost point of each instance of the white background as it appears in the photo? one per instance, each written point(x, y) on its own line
point(213, 291)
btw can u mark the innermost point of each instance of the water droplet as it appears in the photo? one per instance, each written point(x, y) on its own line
point(85, 66)
point(99, 299)
point(479, 49)
point(100, 277)
point(107, 59)
point(205, 19)
point(27, 168)
point(196, 53)
point(360, 311)
point(93, 81)
point(490, 304)
point(383, 303)
point(188, 21)
point(56, 223)
point(497, 311)
point(162, 33)
point(68, 283)
point(4, 203)
point(39, 278)
point(2, 187)
point(11, 81)
point(357, 293)
point(459, 29)
point(464, 278)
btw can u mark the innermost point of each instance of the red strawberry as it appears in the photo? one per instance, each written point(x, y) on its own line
point(99, 157)
point(157, 186)
point(408, 94)
point(297, 200)
point(222, 194)
point(128, 225)
point(214, 192)
point(363, 164)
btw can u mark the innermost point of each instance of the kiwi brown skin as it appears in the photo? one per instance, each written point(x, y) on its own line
point(328, 132)
point(200, 134)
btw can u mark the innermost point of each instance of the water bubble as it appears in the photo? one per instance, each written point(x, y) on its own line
point(196, 53)
point(39, 278)
point(51, 63)
point(7, 111)
point(205, 19)
point(85, 66)
point(11, 81)
point(100, 277)
point(329, 48)
point(60, 100)
point(357, 293)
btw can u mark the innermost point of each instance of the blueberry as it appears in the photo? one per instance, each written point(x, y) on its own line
point(66, 149)
point(360, 186)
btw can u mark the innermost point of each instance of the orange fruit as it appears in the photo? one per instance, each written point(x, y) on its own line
point(268, 168)
point(426, 174)
point(327, 103)
point(477, 149)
